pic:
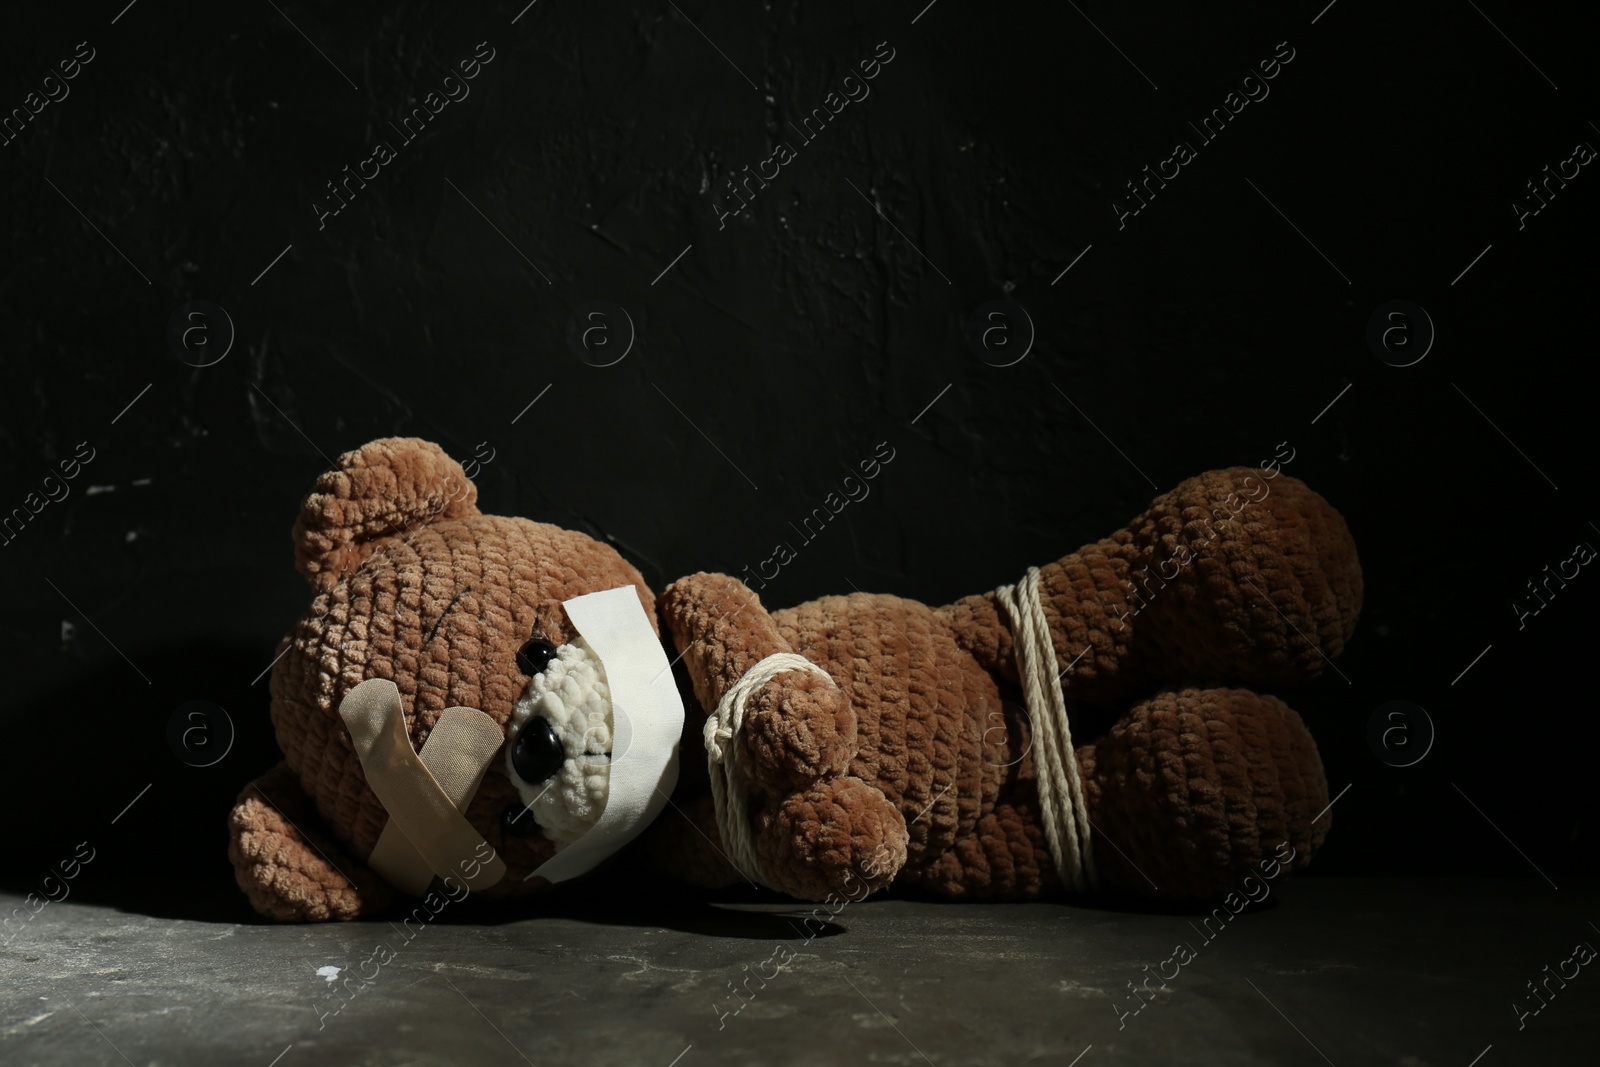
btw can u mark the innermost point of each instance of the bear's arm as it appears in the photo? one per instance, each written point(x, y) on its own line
point(289, 874)
point(799, 728)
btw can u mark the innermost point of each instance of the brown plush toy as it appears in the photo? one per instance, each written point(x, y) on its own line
point(478, 703)
point(907, 758)
point(431, 618)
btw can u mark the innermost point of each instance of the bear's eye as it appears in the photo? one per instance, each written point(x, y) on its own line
point(535, 655)
point(537, 755)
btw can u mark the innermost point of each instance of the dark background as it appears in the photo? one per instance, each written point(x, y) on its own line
point(590, 152)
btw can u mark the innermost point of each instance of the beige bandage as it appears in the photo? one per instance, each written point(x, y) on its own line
point(426, 834)
point(457, 752)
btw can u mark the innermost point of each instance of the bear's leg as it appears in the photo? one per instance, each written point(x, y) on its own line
point(839, 838)
point(289, 871)
point(1214, 580)
point(1194, 792)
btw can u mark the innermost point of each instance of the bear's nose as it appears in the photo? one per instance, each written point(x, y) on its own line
point(537, 754)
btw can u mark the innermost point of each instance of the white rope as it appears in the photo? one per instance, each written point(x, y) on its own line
point(723, 755)
point(1061, 802)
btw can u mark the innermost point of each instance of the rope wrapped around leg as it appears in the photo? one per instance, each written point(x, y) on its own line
point(1061, 801)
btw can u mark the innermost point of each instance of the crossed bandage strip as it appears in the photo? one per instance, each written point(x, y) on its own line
point(424, 794)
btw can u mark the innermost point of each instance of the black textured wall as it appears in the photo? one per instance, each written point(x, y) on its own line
point(774, 347)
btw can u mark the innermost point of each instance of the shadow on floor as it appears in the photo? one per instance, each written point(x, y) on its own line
point(102, 777)
point(102, 780)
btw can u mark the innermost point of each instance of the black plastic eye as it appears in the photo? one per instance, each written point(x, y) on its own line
point(535, 655)
point(518, 821)
point(537, 753)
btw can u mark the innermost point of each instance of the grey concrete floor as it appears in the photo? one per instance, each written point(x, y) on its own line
point(1407, 973)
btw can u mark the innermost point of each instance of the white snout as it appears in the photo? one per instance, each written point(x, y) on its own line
point(572, 696)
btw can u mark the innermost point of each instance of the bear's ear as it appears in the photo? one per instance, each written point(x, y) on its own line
point(382, 490)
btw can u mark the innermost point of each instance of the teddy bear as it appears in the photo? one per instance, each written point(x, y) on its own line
point(485, 704)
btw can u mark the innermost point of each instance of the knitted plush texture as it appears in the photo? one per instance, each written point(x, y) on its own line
point(913, 769)
point(413, 585)
point(909, 762)
point(286, 874)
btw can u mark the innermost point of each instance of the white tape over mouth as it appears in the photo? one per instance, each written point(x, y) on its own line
point(647, 725)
